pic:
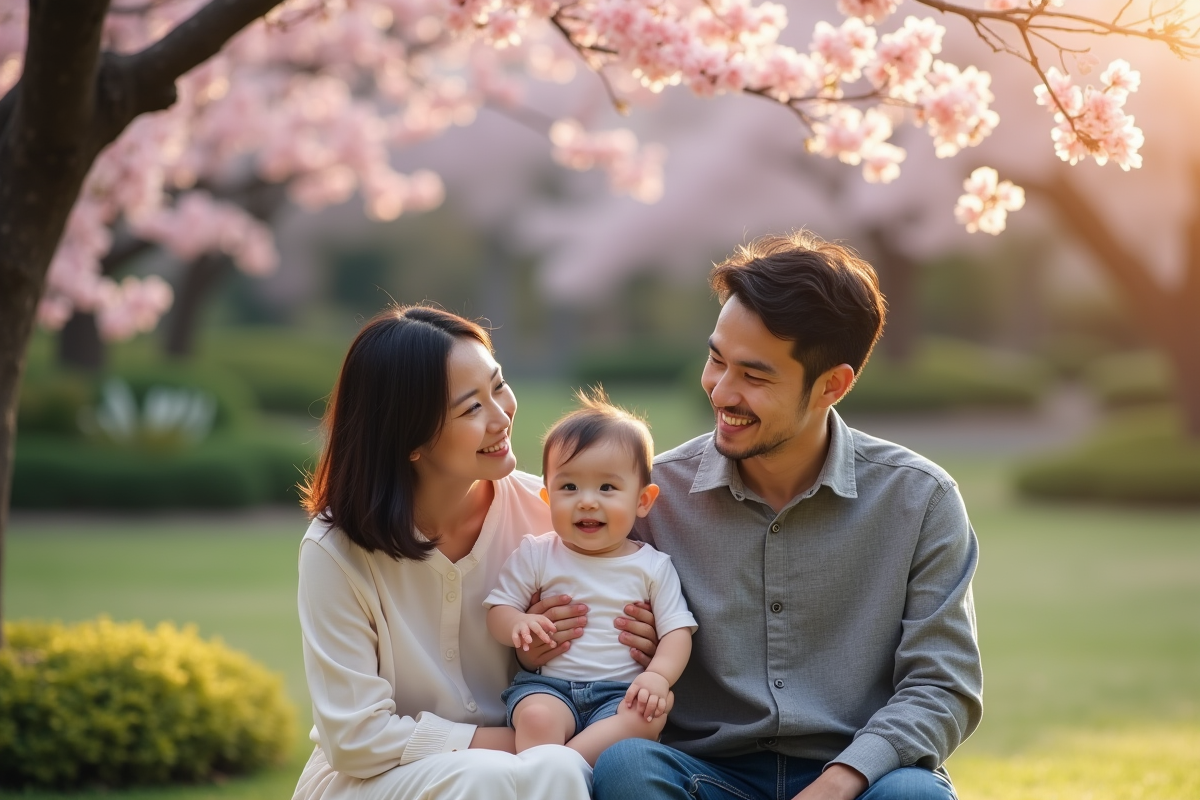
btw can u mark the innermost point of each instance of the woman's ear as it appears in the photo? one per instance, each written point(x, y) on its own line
point(646, 499)
point(414, 456)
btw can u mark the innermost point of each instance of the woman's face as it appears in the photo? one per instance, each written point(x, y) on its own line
point(473, 443)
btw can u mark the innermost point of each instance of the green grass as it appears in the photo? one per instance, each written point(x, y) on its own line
point(1088, 619)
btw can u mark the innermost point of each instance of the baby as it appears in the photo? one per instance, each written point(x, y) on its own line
point(596, 468)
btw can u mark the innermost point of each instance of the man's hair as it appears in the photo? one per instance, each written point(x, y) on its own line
point(598, 420)
point(818, 295)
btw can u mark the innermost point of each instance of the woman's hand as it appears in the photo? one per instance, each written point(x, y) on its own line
point(637, 631)
point(569, 620)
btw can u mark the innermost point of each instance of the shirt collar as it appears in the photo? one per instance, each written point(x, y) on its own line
point(837, 472)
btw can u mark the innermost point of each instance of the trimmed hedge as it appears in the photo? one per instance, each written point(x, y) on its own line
point(52, 398)
point(1127, 380)
point(103, 704)
point(1142, 457)
point(945, 374)
point(287, 372)
point(225, 471)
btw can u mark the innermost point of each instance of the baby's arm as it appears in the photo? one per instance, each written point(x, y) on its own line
point(649, 690)
point(514, 627)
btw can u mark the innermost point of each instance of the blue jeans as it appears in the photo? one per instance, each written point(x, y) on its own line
point(589, 701)
point(636, 769)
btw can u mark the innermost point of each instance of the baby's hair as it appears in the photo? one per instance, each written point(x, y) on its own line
point(597, 420)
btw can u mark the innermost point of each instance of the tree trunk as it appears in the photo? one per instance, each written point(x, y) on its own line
point(201, 277)
point(898, 275)
point(79, 344)
point(1170, 319)
point(70, 103)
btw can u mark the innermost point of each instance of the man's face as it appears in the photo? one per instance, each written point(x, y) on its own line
point(754, 384)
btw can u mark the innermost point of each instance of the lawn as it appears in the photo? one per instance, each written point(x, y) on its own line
point(1089, 621)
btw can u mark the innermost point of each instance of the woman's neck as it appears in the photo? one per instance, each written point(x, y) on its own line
point(452, 516)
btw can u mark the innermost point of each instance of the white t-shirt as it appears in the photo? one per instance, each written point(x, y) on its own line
point(606, 585)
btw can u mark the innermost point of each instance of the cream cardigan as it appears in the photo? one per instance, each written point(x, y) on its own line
point(399, 661)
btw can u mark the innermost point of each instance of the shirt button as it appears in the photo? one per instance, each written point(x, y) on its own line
point(775, 527)
point(450, 576)
point(771, 742)
point(471, 706)
point(777, 607)
point(451, 596)
point(778, 683)
point(450, 654)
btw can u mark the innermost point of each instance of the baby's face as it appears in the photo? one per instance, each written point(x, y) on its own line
point(595, 497)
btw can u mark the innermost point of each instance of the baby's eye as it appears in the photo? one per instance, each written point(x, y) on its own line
point(568, 487)
point(607, 487)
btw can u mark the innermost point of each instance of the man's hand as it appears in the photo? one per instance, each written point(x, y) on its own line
point(568, 620)
point(648, 695)
point(527, 626)
point(837, 782)
point(638, 633)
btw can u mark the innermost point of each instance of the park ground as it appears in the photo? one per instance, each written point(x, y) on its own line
point(1089, 617)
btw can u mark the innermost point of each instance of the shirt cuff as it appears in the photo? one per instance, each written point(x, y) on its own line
point(870, 754)
point(435, 735)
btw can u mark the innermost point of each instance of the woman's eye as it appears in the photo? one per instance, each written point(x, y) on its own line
point(475, 407)
point(501, 385)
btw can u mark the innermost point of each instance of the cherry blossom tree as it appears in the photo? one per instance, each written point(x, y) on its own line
point(147, 116)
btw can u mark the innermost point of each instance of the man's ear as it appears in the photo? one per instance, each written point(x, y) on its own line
point(646, 499)
point(544, 494)
point(833, 386)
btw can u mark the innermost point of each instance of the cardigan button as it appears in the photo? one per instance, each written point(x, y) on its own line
point(775, 528)
point(778, 683)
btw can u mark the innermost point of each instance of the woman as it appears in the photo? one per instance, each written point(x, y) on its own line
point(416, 506)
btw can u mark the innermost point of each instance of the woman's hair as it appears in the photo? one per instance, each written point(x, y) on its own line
point(598, 420)
point(391, 398)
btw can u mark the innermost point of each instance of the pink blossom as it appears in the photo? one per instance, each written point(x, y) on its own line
point(868, 10)
point(987, 201)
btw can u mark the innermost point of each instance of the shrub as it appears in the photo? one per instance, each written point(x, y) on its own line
point(229, 470)
point(52, 398)
point(286, 372)
point(944, 374)
point(1142, 457)
point(107, 704)
point(1126, 380)
point(663, 365)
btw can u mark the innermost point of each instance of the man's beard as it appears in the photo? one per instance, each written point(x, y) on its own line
point(759, 449)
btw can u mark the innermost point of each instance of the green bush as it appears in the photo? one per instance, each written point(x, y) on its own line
point(228, 470)
point(52, 398)
point(1142, 457)
point(644, 365)
point(286, 372)
point(944, 374)
point(1126, 380)
point(102, 704)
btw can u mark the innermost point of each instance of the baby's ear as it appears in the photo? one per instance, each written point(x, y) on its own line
point(545, 495)
point(646, 499)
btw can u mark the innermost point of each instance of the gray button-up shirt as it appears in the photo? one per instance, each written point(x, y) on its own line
point(841, 628)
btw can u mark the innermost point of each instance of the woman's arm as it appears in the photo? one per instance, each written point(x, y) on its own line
point(353, 706)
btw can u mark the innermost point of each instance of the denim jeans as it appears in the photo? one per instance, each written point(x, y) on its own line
point(636, 769)
point(588, 701)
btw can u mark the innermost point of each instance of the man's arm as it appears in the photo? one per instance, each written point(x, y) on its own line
point(938, 678)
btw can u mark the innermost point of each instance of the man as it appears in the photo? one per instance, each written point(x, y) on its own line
point(830, 571)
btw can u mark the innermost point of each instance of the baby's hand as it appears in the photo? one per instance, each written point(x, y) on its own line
point(529, 625)
point(648, 694)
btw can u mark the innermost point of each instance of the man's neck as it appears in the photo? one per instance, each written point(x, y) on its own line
point(791, 469)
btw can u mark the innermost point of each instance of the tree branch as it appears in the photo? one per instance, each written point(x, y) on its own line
point(57, 100)
point(153, 71)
